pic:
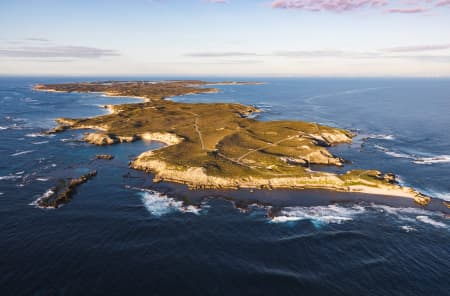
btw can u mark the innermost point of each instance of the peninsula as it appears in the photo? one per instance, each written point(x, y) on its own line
point(218, 146)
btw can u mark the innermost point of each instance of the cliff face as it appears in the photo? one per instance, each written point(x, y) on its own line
point(197, 178)
point(102, 139)
point(218, 146)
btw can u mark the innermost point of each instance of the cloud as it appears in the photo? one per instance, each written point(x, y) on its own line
point(327, 5)
point(218, 1)
point(341, 6)
point(418, 48)
point(310, 53)
point(220, 54)
point(37, 39)
point(407, 10)
point(393, 53)
point(425, 58)
point(80, 52)
point(233, 62)
point(443, 3)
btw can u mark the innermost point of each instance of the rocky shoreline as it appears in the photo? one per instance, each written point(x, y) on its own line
point(216, 146)
point(196, 178)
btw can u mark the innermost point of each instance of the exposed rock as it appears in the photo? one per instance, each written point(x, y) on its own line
point(100, 139)
point(166, 138)
point(421, 199)
point(322, 156)
point(294, 161)
point(447, 204)
point(125, 139)
point(58, 129)
point(59, 196)
point(218, 146)
point(104, 156)
point(390, 178)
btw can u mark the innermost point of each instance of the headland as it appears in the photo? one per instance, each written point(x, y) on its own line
point(218, 146)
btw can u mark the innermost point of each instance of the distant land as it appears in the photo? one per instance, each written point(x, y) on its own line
point(220, 145)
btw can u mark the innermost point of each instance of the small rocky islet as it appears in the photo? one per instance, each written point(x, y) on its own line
point(218, 146)
point(63, 192)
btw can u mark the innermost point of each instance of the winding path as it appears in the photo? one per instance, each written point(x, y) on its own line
point(264, 147)
point(199, 132)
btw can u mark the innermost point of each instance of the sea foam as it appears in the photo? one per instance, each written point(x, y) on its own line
point(413, 215)
point(10, 177)
point(45, 195)
point(382, 137)
point(428, 220)
point(322, 214)
point(415, 158)
point(408, 228)
point(22, 152)
point(338, 214)
point(159, 204)
point(433, 159)
point(35, 135)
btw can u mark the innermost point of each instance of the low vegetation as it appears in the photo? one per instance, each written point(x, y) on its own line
point(219, 139)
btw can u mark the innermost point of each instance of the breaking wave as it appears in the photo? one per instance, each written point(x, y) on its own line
point(382, 137)
point(408, 228)
point(14, 126)
point(414, 158)
point(46, 195)
point(321, 214)
point(413, 215)
point(434, 159)
point(338, 214)
point(22, 152)
point(9, 177)
point(159, 204)
point(428, 220)
point(441, 195)
point(35, 135)
point(42, 179)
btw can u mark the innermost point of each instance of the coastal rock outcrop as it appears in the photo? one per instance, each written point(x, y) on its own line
point(217, 145)
point(57, 196)
point(104, 156)
point(102, 139)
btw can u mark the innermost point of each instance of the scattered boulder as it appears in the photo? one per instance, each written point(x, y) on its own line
point(390, 178)
point(422, 200)
point(104, 156)
point(59, 129)
point(295, 161)
point(100, 139)
point(129, 139)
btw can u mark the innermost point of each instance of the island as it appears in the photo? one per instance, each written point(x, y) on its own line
point(219, 145)
point(63, 192)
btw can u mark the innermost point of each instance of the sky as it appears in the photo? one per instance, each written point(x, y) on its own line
point(344, 38)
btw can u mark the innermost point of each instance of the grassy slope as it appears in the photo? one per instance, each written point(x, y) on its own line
point(218, 137)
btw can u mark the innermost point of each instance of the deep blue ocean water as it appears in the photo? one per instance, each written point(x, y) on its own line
point(123, 235)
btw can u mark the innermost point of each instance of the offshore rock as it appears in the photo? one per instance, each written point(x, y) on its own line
point(56, 197)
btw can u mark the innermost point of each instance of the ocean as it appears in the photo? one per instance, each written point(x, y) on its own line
point(123, 235)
